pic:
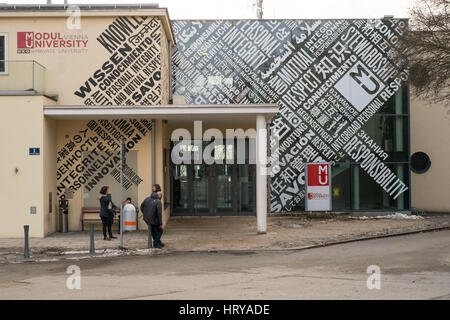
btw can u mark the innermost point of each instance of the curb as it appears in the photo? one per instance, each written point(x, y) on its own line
point(324, 244)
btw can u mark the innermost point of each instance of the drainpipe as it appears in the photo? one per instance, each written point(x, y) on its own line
point(153, 152)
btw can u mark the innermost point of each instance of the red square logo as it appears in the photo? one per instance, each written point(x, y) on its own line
point(25, 40)
point(318, 174)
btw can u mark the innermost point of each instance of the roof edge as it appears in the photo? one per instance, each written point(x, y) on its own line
point(55, 7)
point(49, 11)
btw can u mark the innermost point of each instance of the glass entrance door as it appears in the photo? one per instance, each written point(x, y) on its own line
point(222, 183)
point(200, 192)
point(215, 189)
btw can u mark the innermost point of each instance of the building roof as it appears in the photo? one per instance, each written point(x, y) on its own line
point(52, 7)
point(89, 10)
point(220, 113)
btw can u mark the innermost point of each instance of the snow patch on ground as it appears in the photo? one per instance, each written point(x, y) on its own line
point(76, 252)
point(396, 216)
point(48, 260)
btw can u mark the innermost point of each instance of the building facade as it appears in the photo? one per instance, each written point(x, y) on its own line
point(342, 99)
point(72, 89)
point(52, 61)
point(430, 178)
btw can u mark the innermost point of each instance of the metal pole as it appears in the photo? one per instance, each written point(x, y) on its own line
point(149, 244)
point(121, 191)
point(92, 248)
point(26, 252)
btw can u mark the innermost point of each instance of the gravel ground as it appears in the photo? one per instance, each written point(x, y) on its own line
point(415, 266)
point(222, 233)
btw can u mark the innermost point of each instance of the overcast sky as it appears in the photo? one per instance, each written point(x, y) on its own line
point(273, 9)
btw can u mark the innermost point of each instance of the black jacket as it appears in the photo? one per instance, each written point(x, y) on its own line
point(151, 209)
point(104, 201)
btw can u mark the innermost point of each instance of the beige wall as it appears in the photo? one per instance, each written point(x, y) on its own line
point(51, 214)
point(430, 129)
point(20, 76)
point(160, 144)
point(165, 68)
point(65, 72)
point(19, 191)
point(70, 69)
point(166, 170)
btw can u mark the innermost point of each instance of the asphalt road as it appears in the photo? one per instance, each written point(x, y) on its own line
point(412, 267)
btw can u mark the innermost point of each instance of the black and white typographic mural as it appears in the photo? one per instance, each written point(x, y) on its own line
point(329, 78)
point(130, 76)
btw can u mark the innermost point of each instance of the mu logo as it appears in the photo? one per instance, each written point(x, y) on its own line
point(365, 80)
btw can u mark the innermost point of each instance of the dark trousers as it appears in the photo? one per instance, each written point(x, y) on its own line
point(107, 222)
point(156, 234)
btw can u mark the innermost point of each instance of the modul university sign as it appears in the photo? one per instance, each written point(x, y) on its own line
point(29, 42)
point(318, 187)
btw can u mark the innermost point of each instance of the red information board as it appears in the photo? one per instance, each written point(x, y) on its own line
point(318, 187)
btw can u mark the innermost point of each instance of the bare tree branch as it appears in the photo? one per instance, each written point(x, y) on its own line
point(426, 47)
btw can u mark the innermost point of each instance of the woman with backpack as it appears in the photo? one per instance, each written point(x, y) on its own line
point(107, 212)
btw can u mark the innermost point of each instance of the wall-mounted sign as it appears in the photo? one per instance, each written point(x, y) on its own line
point(51, 42)
point(34, 151)
point(318, 186)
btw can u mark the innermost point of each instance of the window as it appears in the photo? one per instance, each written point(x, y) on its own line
point(420, 162)
point(3, 52)
point(341, 186)
point(367, 194)
point(390, 132)
point(352, 187)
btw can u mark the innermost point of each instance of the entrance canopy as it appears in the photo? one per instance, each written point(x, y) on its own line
point(235, 113)
point(232, 116)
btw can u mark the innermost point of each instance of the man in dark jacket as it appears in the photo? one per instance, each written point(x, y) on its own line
point(151, 209)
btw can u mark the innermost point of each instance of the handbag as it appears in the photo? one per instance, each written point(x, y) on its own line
point(110, 208)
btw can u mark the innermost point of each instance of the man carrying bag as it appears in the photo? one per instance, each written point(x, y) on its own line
point(151, 209)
